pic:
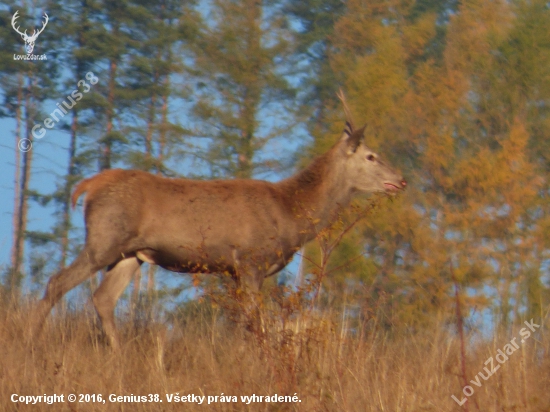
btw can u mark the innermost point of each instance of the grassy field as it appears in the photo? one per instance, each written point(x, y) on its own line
point(316, 357)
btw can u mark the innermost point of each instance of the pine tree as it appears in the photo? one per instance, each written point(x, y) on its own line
point(242, 92)
point(34, 82)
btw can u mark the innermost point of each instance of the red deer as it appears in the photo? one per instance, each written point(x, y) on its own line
point(248, 228)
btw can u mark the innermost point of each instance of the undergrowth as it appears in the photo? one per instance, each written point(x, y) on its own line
point(330, 362)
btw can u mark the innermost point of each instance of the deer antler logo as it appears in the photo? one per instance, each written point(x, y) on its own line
point(29, 40)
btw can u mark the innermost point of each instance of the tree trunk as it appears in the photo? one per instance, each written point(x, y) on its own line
point(69, 183)
point(17, 178)
point(105, 162)
point(22, 209)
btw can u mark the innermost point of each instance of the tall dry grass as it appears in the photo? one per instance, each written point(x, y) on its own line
point(328, 364)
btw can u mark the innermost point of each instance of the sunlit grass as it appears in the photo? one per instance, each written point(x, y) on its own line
point(321, 357)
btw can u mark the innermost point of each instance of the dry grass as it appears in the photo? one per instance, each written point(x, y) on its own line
point(328, 367)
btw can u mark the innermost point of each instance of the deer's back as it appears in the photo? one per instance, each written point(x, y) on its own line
point(217, 215)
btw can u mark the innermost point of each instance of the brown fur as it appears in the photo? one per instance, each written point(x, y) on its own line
point(248, 228)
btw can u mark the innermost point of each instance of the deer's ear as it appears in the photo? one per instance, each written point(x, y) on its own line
point(353, 138)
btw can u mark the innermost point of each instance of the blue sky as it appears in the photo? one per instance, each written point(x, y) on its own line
point(49, 162)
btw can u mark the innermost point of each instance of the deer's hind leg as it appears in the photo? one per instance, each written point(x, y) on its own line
point(83, 267)
point(116, 279)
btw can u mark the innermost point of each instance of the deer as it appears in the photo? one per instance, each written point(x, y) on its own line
point(249, 229)
point(29, 40)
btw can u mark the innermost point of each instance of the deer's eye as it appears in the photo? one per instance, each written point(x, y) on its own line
point(371, 158)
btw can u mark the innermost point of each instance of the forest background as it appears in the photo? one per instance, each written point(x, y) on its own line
point(456, 94)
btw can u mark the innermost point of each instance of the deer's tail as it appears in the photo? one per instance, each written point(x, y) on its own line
point(95, 183)
point(81, 188)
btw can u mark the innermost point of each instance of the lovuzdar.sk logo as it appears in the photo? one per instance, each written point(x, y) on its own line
point(29, 40)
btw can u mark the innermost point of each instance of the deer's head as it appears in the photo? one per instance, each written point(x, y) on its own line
point(364, 169)
point(29, 40)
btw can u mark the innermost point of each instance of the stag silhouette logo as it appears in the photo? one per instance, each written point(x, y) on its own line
point(29, 40)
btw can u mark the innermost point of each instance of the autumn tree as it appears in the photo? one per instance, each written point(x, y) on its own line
point(446, 106)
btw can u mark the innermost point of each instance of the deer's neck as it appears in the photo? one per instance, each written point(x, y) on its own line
point(317, 193)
